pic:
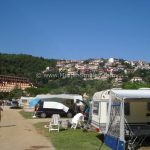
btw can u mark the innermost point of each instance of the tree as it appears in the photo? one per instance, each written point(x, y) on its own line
point(15, 94)
point(135, 85)
point(35, 91)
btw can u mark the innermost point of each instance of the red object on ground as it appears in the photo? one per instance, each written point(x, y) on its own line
point(97, 129)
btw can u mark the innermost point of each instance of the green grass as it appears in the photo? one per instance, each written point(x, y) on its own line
point(72, 139)
point(27, 115)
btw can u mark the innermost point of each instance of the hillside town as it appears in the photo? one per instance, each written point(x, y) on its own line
point(100, 69)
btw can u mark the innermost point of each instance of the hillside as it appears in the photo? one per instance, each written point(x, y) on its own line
point(29, 66)
point(24, 65)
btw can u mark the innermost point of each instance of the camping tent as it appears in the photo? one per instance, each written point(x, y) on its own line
point(128, 118)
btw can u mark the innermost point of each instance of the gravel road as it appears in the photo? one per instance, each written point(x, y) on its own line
point(18, 133)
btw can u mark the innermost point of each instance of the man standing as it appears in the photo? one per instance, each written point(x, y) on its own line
point(0, 110)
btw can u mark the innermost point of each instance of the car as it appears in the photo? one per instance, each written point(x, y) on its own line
point(48, 112)
point(43, 113)
point(14, 104)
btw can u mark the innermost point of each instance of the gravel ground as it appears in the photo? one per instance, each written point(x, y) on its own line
point(18, 133)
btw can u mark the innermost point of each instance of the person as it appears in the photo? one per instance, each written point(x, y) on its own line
point(1, 102)
point(35, 109)
point(0, 111)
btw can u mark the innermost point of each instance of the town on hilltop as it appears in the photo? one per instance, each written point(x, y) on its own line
point(100, 69)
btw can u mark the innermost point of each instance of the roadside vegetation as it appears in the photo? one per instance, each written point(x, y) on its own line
point(72, 139)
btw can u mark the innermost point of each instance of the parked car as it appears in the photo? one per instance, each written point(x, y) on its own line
point(14, 104)
point(48, 112)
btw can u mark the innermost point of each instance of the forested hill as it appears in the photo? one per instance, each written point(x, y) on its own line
point(23, 65)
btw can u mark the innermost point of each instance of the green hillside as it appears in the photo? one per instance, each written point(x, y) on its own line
point(23, 65)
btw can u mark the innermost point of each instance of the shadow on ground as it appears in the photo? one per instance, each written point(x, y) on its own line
point(7, 126)
point(37, 147)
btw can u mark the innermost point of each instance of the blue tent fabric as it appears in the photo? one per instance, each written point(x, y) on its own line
point(33, 102)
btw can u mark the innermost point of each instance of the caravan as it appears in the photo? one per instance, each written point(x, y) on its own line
point(100, 103)
point(128, 123)
point(24, 101)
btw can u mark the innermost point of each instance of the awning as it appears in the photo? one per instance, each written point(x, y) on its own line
point(132, 94)
point(33, 102)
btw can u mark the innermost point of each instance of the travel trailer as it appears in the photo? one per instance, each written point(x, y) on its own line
point(24, 101)
point(128, 123)
point(100, 103)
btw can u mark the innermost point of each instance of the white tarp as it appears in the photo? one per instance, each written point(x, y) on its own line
point(55, 105)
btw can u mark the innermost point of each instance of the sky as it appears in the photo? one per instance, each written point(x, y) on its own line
point(76, 29)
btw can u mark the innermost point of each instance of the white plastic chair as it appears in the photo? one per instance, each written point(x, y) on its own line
point(55, 123)
point(77, 120)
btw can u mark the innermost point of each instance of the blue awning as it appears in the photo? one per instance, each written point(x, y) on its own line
point(33, 102)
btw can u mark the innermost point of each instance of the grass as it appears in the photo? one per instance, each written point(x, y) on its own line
point(72, 139)
point(27, 115)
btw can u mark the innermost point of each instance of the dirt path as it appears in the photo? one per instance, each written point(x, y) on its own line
point(19, 134)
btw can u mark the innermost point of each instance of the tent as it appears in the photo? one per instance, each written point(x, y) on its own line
point(128, 119)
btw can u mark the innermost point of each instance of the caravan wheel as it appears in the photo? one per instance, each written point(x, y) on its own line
point(43, 115)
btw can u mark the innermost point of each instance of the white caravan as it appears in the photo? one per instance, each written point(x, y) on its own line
point(100, 102)
point(24, 101)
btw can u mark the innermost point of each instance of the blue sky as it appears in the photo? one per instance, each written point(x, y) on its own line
point(76, 29)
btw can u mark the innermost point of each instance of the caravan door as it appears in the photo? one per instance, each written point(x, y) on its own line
point(99, 115)
point(96, 115)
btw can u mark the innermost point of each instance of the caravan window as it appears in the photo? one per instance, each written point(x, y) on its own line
point(95, 108)
point(148, 106)
point(127, 109)
point(24, 101)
